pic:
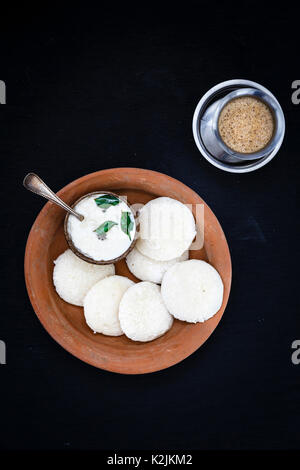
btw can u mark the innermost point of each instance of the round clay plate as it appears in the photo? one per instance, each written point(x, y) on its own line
point(65, 322)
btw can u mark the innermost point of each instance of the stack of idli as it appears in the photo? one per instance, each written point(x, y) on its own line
point(94, 287)
point(167, 229)
point(191, 290)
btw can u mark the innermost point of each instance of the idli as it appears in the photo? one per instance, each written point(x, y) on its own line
point(148, 269)
point(192, 291)
point(143, 315)
point(73, 277)
point(167, 229)
point(101, 305)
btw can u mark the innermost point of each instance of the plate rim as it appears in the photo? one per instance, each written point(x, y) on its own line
point(61, 340)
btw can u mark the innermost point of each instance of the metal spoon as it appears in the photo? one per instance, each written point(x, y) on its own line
point(34, 183)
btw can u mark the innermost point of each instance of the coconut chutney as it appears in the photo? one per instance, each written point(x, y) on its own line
point(107, 230)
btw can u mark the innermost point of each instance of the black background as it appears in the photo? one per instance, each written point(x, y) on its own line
point(90, 88)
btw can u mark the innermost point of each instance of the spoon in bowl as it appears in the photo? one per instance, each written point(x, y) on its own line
point(34, 183)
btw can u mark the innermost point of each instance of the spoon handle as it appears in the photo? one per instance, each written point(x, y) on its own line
point(34, 183)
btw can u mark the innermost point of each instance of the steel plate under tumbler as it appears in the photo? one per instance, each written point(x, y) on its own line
point(206, 132)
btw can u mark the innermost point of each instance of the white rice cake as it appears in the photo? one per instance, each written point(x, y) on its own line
point(192, 291)
point(143, 314)
point(148, 269)
point(167, 229)
point(73, 277)
point(101, 305)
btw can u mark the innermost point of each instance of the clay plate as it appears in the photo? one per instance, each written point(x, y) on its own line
point(65, 322)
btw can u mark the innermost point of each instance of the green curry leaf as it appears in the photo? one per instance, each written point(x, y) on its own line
point(107, 200)
point(104, 228)
point(126, 223)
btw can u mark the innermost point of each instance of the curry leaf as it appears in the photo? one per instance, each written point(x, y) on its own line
point(107, 200)
point(104, 228)
point(126, 223)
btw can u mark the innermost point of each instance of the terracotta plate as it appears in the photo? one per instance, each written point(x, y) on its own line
point(65, 322)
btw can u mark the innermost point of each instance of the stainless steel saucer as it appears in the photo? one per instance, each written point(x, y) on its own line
point(205, 128)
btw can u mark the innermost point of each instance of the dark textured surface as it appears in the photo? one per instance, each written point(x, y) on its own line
point(89, 89)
